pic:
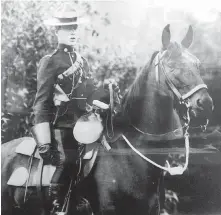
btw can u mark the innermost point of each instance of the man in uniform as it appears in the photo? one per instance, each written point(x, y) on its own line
point(64, 88)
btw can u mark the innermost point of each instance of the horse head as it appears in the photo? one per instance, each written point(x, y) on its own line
point(183, 69)
point(168, 90)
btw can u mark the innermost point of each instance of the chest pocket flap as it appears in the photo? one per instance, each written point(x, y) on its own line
point(85, 89)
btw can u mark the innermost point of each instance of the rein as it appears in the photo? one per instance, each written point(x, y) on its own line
point(172, 170)
point(183, 99)
point(111, 134)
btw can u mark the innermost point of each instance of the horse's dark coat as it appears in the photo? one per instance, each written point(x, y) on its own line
point(126, 184)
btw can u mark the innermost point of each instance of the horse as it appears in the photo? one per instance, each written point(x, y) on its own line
point(167, 95)
point(167, 92)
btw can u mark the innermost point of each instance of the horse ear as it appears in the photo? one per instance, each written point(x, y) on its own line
point(188, 39)
point(166, 36)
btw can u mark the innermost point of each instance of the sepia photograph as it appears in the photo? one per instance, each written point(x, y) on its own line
point(110, 107)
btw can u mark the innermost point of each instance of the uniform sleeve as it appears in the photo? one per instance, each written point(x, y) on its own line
point(43, 104)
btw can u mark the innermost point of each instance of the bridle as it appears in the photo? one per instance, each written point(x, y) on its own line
point(183, 100)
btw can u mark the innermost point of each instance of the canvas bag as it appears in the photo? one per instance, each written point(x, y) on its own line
point(88, 128)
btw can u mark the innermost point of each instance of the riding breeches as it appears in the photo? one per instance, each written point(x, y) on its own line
point(65, 151)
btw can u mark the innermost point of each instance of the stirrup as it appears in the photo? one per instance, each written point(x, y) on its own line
point(54, 192)
point(54, 187)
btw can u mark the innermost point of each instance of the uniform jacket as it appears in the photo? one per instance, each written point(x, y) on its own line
point(47, 76)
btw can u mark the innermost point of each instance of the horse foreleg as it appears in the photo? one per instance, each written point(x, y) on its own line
point(154, 204)
point(6, 204)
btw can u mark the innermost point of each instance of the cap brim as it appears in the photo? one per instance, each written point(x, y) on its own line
point(55, 22)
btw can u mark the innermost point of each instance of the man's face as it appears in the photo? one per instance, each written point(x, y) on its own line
point(67, 35)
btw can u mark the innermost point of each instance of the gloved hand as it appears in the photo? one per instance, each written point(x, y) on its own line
point(45, 153)
point(49, 155)
point(55, 157)
point(115, 85)
point(41, 133)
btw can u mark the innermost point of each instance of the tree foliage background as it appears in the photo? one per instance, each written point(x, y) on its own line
point(25, 40)
point(115, 43)
point(111, 43)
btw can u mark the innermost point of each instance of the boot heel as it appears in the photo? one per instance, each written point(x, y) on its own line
point(54, 193)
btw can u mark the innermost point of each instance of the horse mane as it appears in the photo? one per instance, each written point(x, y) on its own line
point(136, 88)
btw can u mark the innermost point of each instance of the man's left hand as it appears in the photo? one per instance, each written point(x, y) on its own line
point(114, 84)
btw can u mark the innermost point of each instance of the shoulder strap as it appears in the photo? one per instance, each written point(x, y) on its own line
point(75, 67)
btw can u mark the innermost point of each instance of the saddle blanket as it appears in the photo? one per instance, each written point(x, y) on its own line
point(20, 175)
point(27, 147)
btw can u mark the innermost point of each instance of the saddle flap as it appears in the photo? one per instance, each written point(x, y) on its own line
point(20, 176)
point(89, 150)
point(27, 147)
point(90, 163)
point(48, 172)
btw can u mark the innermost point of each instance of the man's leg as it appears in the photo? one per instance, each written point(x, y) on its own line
point(62, 140)
point(59, 160)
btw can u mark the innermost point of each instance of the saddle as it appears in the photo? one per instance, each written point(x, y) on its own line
point(28, 174)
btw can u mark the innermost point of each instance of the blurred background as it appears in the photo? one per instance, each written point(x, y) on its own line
point(118, 40)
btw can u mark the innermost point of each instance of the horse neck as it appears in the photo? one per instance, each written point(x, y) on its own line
point(153, 112)
point(157, 113)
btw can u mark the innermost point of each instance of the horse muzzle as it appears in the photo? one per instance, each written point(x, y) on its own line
point(201, 109)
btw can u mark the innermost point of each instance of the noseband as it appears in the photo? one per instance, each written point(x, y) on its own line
point(183, 99)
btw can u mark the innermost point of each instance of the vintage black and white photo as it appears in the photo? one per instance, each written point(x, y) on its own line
point(110, 107)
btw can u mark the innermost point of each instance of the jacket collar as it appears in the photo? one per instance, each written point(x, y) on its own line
point(65, 48)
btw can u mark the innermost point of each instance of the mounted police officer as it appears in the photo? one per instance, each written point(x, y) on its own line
point(64, 89)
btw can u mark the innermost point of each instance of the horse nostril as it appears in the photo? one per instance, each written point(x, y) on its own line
point(199, 103)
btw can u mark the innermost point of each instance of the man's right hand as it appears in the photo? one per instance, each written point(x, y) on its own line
point(41, 132)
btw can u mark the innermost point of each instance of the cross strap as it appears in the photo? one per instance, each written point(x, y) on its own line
point(75, 66)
